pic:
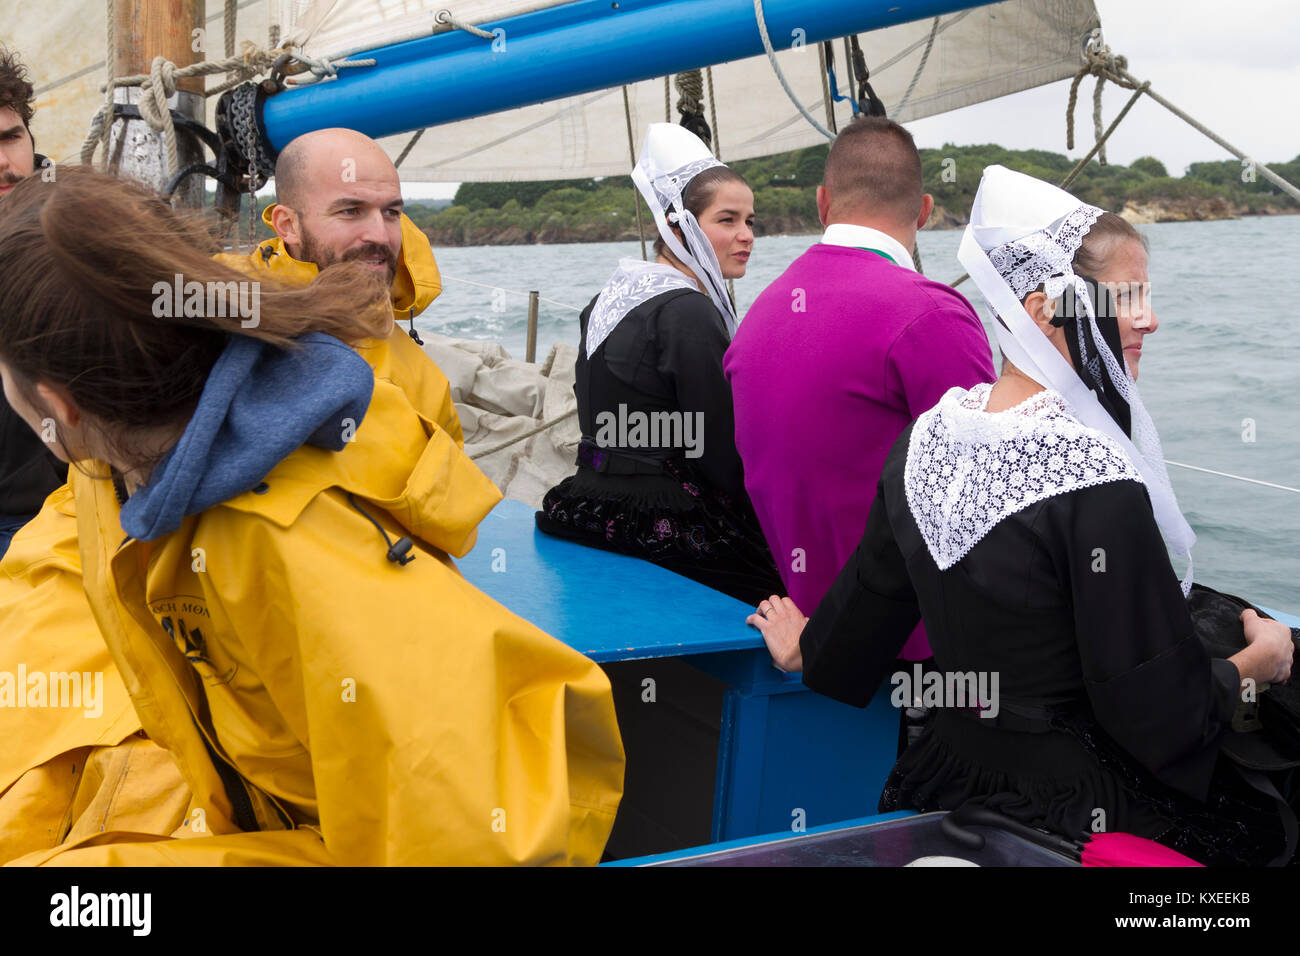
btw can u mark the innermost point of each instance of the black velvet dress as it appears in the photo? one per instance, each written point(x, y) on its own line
point(658, 473)
point(1110, 710)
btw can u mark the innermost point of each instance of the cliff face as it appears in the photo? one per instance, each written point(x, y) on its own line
point(1193, 210)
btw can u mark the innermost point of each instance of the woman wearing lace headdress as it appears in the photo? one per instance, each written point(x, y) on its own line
point(1024, 525)
point(658, 473)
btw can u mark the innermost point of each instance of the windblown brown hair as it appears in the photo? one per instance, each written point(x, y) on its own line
point(16, 90)
point(80, 258)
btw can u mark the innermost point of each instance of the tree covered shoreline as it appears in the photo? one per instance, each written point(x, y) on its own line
point(591, 210)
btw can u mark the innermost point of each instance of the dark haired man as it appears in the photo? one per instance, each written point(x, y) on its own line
point(839, 354)
point(29, 471)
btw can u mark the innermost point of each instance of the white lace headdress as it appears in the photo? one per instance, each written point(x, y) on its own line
point(1024, 232)
point(670, 158)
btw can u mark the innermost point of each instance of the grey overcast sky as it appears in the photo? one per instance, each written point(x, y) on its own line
point(1233, 66)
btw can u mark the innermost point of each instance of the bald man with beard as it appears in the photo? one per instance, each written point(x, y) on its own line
point(339, 199)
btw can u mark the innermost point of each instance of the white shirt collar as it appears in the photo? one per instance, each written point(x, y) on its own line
point(864, 237)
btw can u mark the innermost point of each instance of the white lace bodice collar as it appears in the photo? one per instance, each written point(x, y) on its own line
point(968, 469)
point(632, 283)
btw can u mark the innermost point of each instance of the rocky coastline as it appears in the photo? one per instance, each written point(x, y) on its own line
point(1137, 212)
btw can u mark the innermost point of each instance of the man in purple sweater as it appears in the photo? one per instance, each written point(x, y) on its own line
point(839, 354)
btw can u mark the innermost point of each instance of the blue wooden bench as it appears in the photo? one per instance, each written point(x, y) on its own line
point(787, 757)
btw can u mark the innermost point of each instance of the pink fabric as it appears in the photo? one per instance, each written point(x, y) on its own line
point(1124, 849)
point(830, 364)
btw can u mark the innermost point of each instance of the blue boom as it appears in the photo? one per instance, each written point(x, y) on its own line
point(563, 51)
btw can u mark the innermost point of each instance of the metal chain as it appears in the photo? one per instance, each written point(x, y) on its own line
point(243, 118)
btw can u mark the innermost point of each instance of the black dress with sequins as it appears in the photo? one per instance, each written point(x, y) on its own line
point(658, 473)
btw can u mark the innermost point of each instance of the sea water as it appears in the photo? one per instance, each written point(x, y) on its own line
point(1221, 376)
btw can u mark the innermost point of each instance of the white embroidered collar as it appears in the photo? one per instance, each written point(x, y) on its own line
point(632, 283)
point(968, 469)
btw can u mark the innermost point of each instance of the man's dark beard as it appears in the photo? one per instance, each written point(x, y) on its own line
point(10, 179)
point(325, 257)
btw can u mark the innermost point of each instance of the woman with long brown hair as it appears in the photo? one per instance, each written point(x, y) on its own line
point(264, 530)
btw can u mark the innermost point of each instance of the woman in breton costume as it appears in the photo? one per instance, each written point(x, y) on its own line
point(1022, 523)
point(658, 473)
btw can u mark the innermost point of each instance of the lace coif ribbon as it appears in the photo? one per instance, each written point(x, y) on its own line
point(1029, 350)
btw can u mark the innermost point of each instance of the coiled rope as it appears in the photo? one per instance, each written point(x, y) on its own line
point(1105, 65)
point(159, 84)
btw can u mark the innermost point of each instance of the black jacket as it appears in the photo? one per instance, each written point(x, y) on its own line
point(29, 471)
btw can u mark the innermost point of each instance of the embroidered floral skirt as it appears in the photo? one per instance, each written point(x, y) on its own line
point(673, 520)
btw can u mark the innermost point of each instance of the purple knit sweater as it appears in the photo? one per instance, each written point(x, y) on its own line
point(830, 364)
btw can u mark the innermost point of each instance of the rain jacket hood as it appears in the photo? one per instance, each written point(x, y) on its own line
point(397, 358)
point(259, 404)
point(355, 710)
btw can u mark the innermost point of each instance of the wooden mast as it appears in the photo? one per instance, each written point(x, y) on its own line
point(142, 30)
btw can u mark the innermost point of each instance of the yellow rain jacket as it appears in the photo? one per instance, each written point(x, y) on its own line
point(71, 759)
point(397, 359)
point(388, 714)
point(61, 771)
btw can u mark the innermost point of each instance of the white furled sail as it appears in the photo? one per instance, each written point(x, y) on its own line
point(975, 55)
point(918, 69)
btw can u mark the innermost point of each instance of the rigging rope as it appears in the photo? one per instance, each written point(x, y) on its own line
point(231, 18)
point(776, 68)
point(1115, 68)
point(1105, 65)
point(528, 434)
point(925, 57)
point(636, 196)
point(444, 16)
point(410, 145)
point(690, 84)
point(159, 84)
point(713, 115)
point(484, 285)
point(1224, 474)
point(826, 86)
point(101, 133)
